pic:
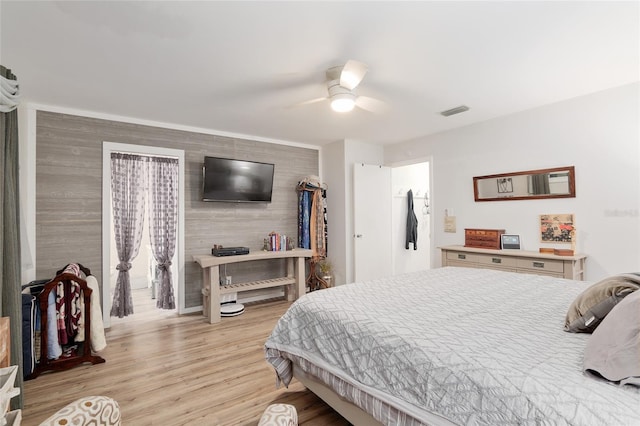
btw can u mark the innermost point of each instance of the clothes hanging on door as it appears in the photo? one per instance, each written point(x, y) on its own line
point(412, 223)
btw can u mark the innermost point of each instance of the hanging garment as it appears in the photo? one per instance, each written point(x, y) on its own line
point(306, 219)
point(317, 224)
point(312, 217)
point(67, 304)
point(98, 339)
point(412, 223)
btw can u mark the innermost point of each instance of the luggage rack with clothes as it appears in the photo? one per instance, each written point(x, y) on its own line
point(64, 319)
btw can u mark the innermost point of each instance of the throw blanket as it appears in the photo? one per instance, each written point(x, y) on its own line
point(593, 304)
point(68, 305)
point(98, 339)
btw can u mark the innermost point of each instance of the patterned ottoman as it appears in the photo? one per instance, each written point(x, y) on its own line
point(90, 410)
point(279, 415)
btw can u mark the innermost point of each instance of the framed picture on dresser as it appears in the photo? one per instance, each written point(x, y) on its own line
point(557, 228)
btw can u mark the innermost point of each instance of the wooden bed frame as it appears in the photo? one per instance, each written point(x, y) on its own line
point(354, 414)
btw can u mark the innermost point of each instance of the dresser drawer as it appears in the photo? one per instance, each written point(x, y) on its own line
point(463, 264)
point(497, 260)
point(462, 257)
point(546, 265)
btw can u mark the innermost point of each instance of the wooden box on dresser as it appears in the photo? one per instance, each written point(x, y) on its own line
point(527, 262)
point(483, 238)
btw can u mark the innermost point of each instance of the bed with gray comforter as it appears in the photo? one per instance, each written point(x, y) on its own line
point(451, 346)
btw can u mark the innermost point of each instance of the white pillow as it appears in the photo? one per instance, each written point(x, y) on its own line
point(613, 350)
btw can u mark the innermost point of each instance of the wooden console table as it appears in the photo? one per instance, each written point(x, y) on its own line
point(294, 282)
point(527, 262)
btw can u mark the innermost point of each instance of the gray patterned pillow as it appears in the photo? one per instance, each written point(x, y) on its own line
point(593, 305)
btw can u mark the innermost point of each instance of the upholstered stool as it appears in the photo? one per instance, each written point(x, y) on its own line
point(90, 410)
point(279, 415)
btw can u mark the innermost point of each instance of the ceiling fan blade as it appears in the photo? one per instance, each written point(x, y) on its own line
point(310, 101)
point(371, 104)
point(352, 74)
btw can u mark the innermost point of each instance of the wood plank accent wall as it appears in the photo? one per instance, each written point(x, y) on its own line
point(69, 193)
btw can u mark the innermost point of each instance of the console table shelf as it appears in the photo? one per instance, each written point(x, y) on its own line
point(294, 282)
point(255, 285)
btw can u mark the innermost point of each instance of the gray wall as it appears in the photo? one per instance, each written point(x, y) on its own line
point(69, 194)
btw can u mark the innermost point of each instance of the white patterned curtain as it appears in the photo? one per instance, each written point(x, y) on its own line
point(163, 218)
point(9, 91)
point(128, 189)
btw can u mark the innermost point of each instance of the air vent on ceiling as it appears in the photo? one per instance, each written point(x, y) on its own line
point(456, 110)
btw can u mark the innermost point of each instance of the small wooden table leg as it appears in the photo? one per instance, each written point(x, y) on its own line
point(291, 289)
point(300, 278)
point(214, 294)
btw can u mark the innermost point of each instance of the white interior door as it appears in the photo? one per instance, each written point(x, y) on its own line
point(372, 221)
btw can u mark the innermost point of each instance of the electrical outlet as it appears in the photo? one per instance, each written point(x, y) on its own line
point(227, 280)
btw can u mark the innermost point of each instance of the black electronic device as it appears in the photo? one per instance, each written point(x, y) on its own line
point(510, 241)
point(229, 251)
point(236, 181)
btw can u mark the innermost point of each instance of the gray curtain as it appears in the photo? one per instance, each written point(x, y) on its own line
point(540, 184)
point(128, 188)
point(10, 275)
point(163, 218)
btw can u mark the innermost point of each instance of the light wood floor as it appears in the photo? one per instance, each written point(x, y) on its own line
point(165, 369)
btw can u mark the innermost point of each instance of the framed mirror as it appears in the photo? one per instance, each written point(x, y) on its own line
point(558, 182)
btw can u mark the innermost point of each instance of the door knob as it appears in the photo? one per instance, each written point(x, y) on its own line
point(358, 235)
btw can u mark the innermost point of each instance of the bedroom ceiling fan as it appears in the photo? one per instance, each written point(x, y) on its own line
point(341, 84)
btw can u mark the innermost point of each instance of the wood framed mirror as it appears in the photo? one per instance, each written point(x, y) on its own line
point(557, 182)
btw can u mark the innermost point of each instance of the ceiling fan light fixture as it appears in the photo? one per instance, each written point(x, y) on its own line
point(343, 102)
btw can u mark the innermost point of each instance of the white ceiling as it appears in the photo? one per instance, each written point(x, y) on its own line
point(241, 67)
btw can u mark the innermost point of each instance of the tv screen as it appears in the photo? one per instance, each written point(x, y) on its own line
point(237, 181)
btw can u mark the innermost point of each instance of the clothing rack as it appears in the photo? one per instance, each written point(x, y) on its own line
point(312, 229)
point(315, 281)
point(83, 354)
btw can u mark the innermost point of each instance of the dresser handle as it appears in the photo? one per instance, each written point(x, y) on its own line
point(538, 264)
point(462, 256)
point(496, 260)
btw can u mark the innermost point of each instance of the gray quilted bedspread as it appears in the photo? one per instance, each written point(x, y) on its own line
point(478, 347)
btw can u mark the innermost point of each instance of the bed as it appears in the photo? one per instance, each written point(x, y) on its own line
point(448, 346)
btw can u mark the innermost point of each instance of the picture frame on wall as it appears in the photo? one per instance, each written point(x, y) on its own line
point(557, 228)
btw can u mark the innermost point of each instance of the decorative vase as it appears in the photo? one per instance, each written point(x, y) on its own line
point(327, 279)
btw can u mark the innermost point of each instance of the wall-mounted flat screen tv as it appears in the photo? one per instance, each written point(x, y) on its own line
point(237, 181)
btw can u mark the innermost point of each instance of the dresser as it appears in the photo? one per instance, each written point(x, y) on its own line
point(526, 262)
